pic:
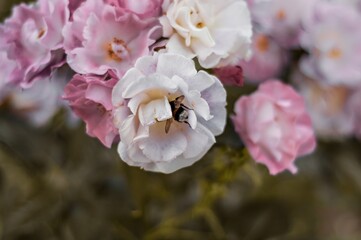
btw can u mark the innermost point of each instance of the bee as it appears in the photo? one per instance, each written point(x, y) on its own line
point(179, 112)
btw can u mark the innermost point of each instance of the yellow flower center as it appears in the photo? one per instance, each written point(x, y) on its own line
point(281, 15)
point(262, 43)
point(117, 50)
point(334, 53)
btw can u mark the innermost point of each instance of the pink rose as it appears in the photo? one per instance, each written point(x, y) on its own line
point(329, 106)
point(32, 39)
point(42, 101)
point(332, 36)
point(103, 37)
point(267, 60)
point(143, 8)
point(281, 19)
point(274, 126)
point(89, 97)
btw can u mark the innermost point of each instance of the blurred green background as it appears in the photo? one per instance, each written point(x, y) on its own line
point(58, 183)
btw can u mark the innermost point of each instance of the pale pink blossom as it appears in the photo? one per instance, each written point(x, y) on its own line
point(42, 101)
point(267, 60)
point(328, 106)
point(143, 8)
point(149, 90)
point(217, 32)
point(281, 19)
point(332, 36)
point(32, 39)
point(89, 97)
point(102, 37)
point(274, 125)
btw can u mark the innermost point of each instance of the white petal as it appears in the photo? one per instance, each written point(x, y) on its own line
point(176, 45)
point(134, 102)
point(132, 155)
point(192, 119)
point(128, 129)
point(201, 81)
point(199, 105)
point(117, 93)
point(216, 99)
point(235, 16)
point(156, 110)
point(211, 60)
point(147, 64)
point(172, 64)
point(218, 122)
point(183, 87)
point(199, 142)
point(119, 115)
point(161, 146)
point(201, 50)
point(215, 93)
point(143, 132)
point(155, 81)
point(167, 28)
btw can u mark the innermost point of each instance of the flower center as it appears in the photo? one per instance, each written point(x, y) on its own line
point(281, 15)
point(335, 53)
point(196, 19)
point(101, 108)
point(262, 43)
point(117, 50)
point(200, 25)
point(191, 23)
point(41, 33)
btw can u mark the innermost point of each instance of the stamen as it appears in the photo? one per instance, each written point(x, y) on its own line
point(117, 50)
point(335, 53)
point(200, 25)
point(262, 43)
point(41, 33)
point(281, 15)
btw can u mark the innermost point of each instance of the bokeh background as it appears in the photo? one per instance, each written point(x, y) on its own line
point(58, 183)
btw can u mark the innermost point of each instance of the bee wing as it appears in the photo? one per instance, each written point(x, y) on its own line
point(184, 106)
point(178, 101)
point(167, 124)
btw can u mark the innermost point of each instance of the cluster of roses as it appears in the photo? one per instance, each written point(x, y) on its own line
point(140, 73)
point(316, 45)
point(319, 42)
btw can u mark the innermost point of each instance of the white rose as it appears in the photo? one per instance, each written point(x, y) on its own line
point(156, 134)
point(217, 32)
